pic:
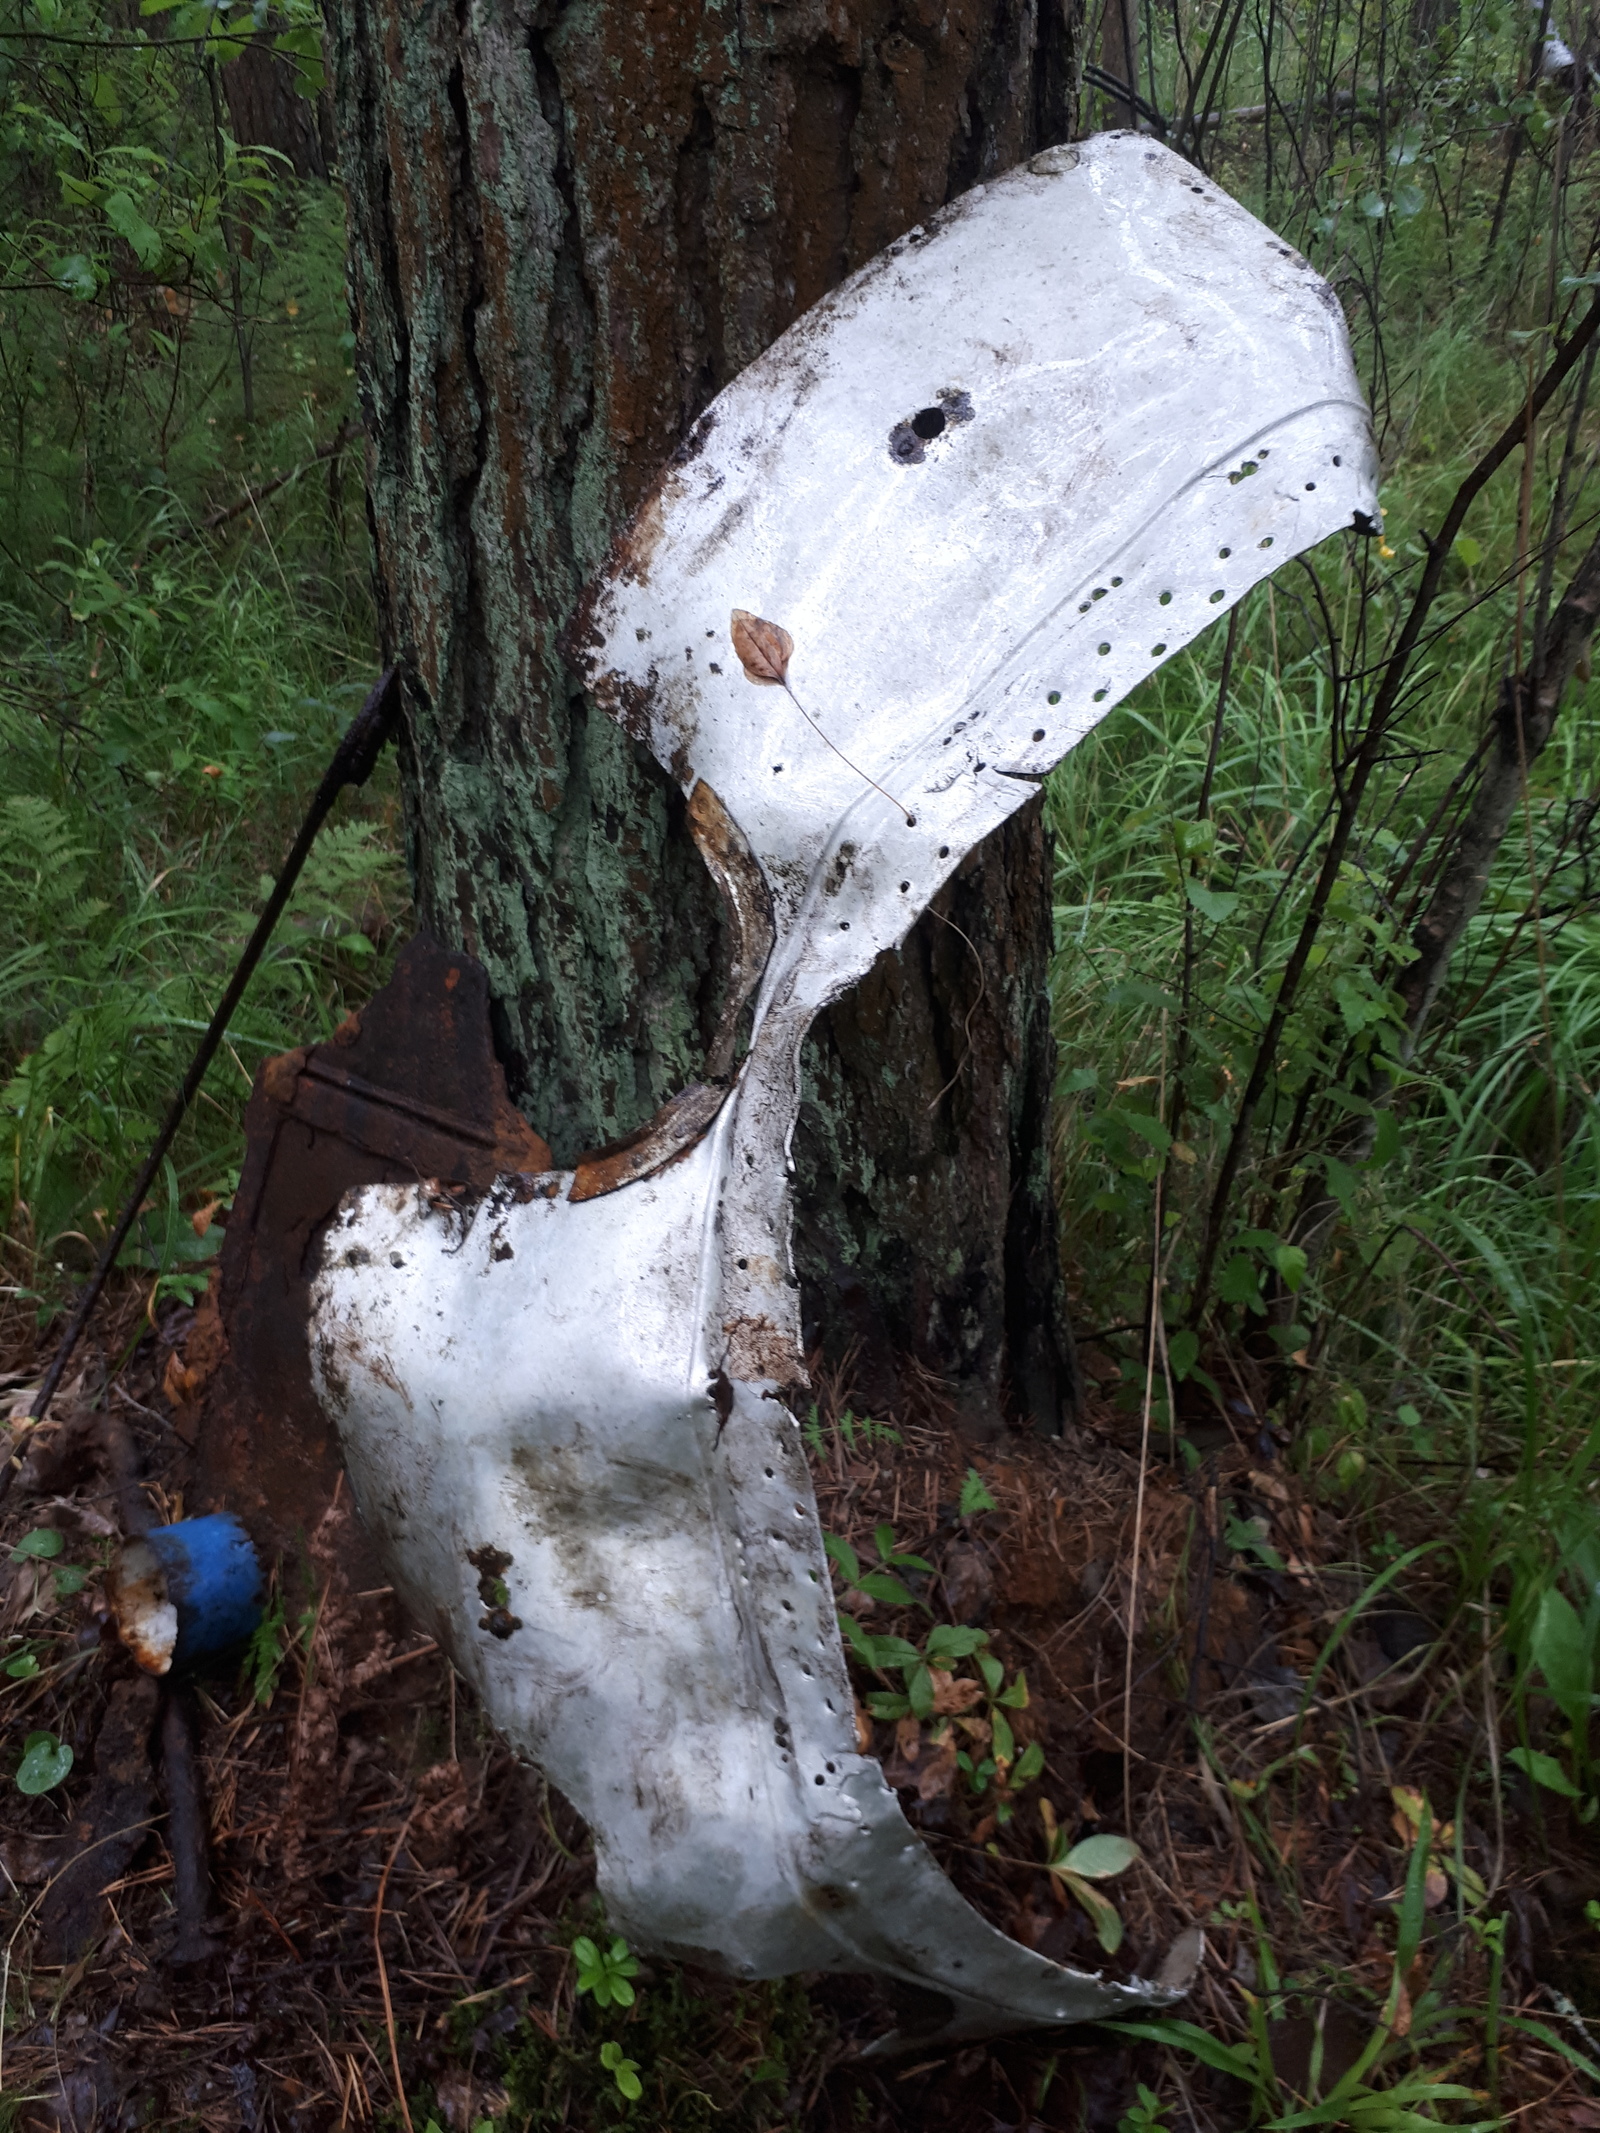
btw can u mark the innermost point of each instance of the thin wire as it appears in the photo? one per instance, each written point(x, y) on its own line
point(911, 820)
point(1144, 1470)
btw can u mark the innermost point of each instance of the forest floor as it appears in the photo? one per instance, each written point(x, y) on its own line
point(386, 1937)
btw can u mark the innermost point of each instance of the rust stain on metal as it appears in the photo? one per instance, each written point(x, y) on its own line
point(147, 1621)
point(674, 1130)
point(759, 1349)
point(745, 897)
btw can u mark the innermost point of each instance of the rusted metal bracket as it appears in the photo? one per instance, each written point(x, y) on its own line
point(408, 1091)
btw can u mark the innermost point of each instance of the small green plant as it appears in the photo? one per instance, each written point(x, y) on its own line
point(975, 1496)
point(1079, 1866)
point(1147, 2114)
point(604, 1972)
point(975, 1709)
point(45, 1762)
point(879, 1584)
point(42, 1545)
point(857, 1433)
point(271, 1642)
point(623, 2071)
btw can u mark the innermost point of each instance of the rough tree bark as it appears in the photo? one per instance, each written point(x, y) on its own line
point(571, 222)
point(266, 109)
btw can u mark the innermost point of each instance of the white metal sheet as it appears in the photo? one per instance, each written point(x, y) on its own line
point(996, 479)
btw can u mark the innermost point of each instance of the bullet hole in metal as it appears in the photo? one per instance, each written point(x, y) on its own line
point(1165, 600)
point(904, 887)
point(909, 440)
point(1338, 462)
point(1099, 593)
point(1219, 594)
point(1038, 733)
point(844, 925)
point(1156, 650)
point(944, 851)
point(1267, 543)
point(1083, 607)
point(777, 770)
point(1116, 581)
point(1103, 649)
point(1100, 695)
point(1224, 553)
point(744, 1262)
point(1311, 485)
point(1054, 697)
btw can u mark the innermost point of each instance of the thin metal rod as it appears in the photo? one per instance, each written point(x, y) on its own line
point(352, 765)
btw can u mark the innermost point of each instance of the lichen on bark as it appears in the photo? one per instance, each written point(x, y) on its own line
point(570, 224)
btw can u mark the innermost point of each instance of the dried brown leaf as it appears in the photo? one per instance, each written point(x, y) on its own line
point(764, 649)
point(951, 1696)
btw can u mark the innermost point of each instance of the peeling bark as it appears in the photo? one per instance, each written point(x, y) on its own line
point(571, 223)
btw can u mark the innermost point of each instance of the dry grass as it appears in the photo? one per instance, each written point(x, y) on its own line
point(392, 1890)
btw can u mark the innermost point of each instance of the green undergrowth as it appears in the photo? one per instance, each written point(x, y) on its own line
point(1426, 1352)
point(162, 730)
point(185, 631)
point(681, 2050)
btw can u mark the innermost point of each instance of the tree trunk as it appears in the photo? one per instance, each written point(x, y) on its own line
point(570, 225)
point(267, 110)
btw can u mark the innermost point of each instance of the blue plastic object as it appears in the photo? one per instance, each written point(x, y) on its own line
point(213, 1581)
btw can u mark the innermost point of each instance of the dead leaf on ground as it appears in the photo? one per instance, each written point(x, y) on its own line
point(951, 1697)
point(443, 1810)
point(29, 1860)
point(764, 648)
point(465, 2101)
point(927, 1767)
point(968, 1587)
